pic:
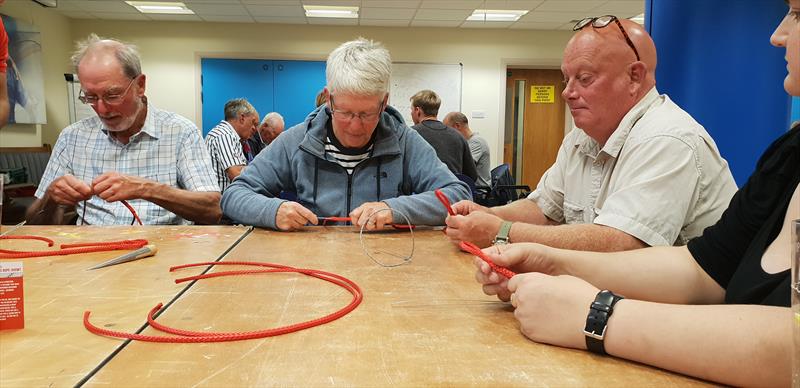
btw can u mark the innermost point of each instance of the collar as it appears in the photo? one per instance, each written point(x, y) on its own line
point(433, 124)
point(149, 127)
point(613, 146)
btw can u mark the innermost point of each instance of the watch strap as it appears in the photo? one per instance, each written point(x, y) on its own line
point(597, 321)
point(502, 234)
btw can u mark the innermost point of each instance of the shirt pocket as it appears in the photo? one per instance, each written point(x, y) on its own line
point(578, 214)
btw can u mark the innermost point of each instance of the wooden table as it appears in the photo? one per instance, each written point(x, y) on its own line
point(421, 324)
point(54, 348)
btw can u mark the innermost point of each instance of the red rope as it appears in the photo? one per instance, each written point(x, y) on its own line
point(68, 249)
point(473, 249)
point(187, 336)
point(135, 216)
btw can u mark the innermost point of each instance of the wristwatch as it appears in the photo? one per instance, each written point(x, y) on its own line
point(596, 323)
point(502, 234)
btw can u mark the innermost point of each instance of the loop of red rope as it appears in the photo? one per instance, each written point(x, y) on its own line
point(473, 249)
point(187, 336)
point(68, 249)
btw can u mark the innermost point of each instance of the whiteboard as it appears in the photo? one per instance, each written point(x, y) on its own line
point(409, 78)
point(77, 109)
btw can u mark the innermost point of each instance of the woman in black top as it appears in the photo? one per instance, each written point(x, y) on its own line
point(716, 309)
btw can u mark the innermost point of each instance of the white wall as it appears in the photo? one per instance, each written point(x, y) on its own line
point(56, 46)
point(171, 51)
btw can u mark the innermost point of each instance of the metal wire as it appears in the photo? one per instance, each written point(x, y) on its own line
point(405, 259)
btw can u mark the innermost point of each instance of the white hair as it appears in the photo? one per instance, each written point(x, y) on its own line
point(126, 53)
point(272, 118)
point(360, 67)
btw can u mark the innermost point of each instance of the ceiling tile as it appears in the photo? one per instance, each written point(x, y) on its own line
point(120, 16)
point(511, 4)
point(387, 13)
point(384, 23)
point(390, 3)
point(442, 14)
point(218, 9)
point(562, 17)
point(502, 25)
point(621, 8)
point(62, 5)
point(295, 11)
point(272, 2)
point(228, 18)
point(105, 6)
point(452, 4)
point(435, 23)
point(78, 15)
point(537, 26)
point(334, 3)
point(280, 20)
point(586, 6)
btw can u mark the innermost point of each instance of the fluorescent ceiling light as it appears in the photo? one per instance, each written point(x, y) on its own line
point(160, 7)
point(638, 19)
point(323, 11)
point(496, 15)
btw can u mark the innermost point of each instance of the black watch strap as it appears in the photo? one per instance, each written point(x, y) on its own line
point(597, 321)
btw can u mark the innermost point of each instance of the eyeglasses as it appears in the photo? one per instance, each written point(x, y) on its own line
point(349, 116)
point(108, 99)
point(604, 21)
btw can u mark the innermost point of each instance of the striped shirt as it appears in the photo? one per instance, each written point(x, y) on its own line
point(168, 150)
point(348, 158)
point(225, 147)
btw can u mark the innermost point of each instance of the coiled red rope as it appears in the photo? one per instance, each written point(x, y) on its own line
point(187, 336)
point(68, 249)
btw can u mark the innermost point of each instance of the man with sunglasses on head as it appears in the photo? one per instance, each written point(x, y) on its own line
point(636, 171)
point(351, 157)
point(152, 159)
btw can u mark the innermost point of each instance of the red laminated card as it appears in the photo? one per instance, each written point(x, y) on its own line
point(11, 302)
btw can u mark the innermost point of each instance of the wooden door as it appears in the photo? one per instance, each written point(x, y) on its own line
point(535, 122)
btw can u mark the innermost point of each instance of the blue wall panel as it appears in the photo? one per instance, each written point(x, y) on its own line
point(716, 62)
point(296, 86)
point(224, 79)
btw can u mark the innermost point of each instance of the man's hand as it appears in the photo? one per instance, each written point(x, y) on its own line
point(363, 215)
point(293, 216)
point(552, 309)
point(466, 207)
point(478, 228)
point(68, 190)
point(113, 187)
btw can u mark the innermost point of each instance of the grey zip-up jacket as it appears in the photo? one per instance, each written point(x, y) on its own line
point(403, 171)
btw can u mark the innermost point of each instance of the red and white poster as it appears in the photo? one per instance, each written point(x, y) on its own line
point(11, 303)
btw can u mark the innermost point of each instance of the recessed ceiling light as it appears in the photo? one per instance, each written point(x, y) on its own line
point(496, 15)
point(324, 11)
point(160, 7)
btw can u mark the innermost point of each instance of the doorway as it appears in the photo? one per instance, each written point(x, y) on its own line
point(534, 122)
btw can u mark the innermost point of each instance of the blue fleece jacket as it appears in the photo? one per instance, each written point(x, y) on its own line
point(403, 172)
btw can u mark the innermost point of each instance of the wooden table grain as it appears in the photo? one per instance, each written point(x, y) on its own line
point(420, 324)
point(54, 349)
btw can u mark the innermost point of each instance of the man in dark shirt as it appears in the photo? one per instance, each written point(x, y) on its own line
point(450, 146)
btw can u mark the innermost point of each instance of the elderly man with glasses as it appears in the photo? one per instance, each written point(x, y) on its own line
point(352, 157)
point(130, 156)
point(636, 171)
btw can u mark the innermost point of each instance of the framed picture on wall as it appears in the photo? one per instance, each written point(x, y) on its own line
point(24, 76)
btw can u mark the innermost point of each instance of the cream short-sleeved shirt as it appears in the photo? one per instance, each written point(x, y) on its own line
point(659, 177)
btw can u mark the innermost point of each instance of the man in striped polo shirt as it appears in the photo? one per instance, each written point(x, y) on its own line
point(227, 142)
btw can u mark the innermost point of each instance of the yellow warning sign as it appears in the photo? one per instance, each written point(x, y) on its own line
point(543, 94)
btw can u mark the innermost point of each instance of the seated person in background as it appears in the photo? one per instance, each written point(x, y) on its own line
point(227, 142)
point(736, 276)
point(450, 146)
point(351, 157)
point(130, 151)
point(637, 171)
point(478, 146)
point(270, 128)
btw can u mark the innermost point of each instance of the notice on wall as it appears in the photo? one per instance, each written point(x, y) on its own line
point(543, 94)
point(11, 303)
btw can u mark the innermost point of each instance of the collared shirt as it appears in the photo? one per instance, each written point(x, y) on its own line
point(226, 150)
point(168, 150)
point(659, 177)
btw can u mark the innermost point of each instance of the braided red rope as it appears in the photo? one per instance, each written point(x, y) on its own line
point(187, 336)
point(473, 249)
point(68, 249)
